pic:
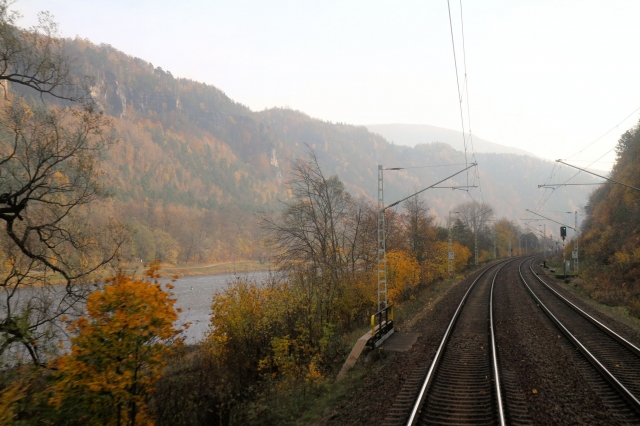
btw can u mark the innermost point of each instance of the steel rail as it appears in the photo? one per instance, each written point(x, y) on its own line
point(494, 352)
point(436, 359)
point(633, 348)
point(630, 397)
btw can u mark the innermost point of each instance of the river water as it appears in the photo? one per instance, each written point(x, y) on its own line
point(194, 296)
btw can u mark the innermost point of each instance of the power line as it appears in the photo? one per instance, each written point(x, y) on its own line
point(586, 171)
point(429, 187)
point(455, 63)
point(589, 165)
point(557, 185)
point(460, 100)
point(423, 167)
point(466, 87)
point(553, 171)
point(466, 91)
point(603, 155)
point(555, 211)
point(593, 161)
point(605, 133)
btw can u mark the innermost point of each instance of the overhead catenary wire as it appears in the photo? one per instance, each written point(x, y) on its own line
point(605, 133)
point(423, 167)
point(556, 167)
point(557, 185)
point(466, 87)
point(476, 178)
point(455, 63)
point(589, 165)
point(431, 186)
point(595, 174)
point(466, 91)
point(593, 161)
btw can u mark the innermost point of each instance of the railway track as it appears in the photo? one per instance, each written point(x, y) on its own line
point(613, 356)
point(462, 385)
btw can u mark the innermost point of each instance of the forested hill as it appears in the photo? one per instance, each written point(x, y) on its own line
point(610, 233)
point(191, 163)
point(612, 228)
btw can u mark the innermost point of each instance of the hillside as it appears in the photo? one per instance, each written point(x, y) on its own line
point(611, 231)
point(191, 166)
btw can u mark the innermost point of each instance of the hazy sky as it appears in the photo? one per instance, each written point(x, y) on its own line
point(547, 76)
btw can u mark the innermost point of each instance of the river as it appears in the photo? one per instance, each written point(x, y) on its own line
point(194, 295)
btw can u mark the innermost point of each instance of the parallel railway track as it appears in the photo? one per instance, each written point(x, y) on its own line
point(462, 385)
point(616, 358)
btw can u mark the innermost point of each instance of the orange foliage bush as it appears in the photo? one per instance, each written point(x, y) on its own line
point(436, 266)
point(119, 350)
point(403, 274)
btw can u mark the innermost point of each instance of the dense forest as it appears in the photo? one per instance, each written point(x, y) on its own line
point(188, 168)
point(610, 233)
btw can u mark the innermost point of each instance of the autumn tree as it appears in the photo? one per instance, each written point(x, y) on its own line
point(241, 331)
point(610, 232)
point(475, 218)
point(48, 179)
point(403, 274)
point(317, 232)
point(507, 235)
point(419, 227)
point(118, 351)
point(323, 241)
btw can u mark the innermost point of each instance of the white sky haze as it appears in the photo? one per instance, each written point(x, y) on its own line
point(545, 76)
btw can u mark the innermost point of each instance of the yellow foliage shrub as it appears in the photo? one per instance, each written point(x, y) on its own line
point(403, 274)
point(118, 351)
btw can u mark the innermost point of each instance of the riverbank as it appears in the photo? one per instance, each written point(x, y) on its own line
point(216, 268)
point(167, 271)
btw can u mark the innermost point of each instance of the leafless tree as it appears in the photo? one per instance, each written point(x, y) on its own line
point(360, 242)
point(311, 226)
point(320, 233)
point(49, 179)
point(475, 215)
point(418, 225)
point(35, 57)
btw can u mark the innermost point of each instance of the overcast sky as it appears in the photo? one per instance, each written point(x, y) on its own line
point(546, 76)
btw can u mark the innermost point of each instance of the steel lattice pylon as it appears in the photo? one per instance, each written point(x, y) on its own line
point(449, 259)
point(576, 245)
point(475, 238)
point(381, 256)
point(382, 260)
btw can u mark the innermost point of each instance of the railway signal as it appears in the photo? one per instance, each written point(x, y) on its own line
point(563, 232)
point(577, 236)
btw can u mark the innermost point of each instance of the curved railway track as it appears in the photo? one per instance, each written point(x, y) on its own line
point(615, 358)
point(462, 384)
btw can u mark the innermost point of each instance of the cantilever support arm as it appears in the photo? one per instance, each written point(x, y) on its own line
point(600, 176)
point(412, 195)
point(558, 185)
point(563, 224)
point(534, 229)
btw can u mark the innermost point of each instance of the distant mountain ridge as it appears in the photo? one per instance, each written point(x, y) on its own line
point(414, 134)
point(191, 166)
